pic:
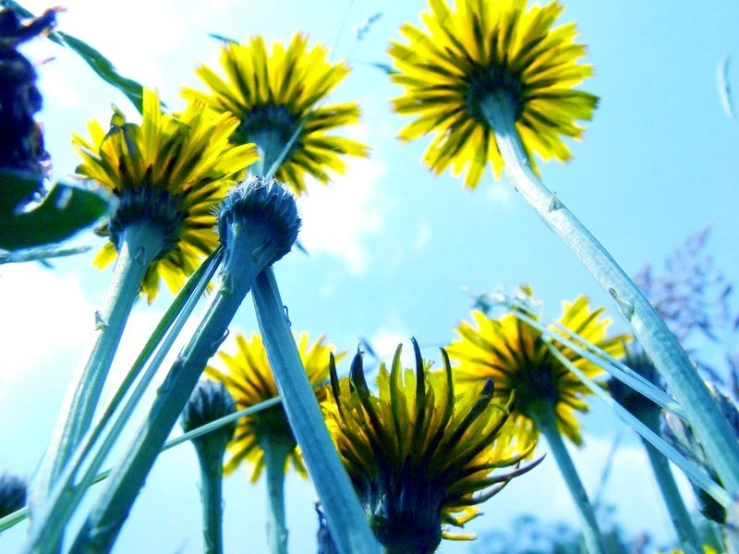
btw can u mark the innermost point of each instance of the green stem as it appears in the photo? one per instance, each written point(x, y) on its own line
point(668, 487)
point(269, 144)
point(275, 456)
point(64, 498)
point(710, 425)
point(211, 498)
point(102, 526)
point(546, 421)
point(140, 244)
point(344, 514)
point(20, 515)
point(698, 477)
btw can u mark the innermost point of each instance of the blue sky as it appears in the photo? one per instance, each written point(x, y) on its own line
point(391, 245)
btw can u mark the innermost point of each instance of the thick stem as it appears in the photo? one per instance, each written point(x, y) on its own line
point(546, 421)
point(211, 498)
point(270, 145)
point(102, 526)
point(711, 427)
point(346, 520)
point(275, 456)
point(140, 244)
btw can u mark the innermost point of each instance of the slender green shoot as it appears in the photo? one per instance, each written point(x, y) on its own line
point(546, 421)
point(614, 367)
point(20, 515)
point(275, 458)
point(679, 515)
point(693, 473)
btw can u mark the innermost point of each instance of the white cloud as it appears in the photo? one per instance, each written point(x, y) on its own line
point(385, 340)
point(63, 92)
point(423, 237)
point(135, 38)
point(337, 218)
point(44, 313)
point(500, 193)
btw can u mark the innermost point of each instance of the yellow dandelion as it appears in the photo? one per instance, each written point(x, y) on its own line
point(248, 377)
point(516, 357)
point(707, 549)
point(418, 457)
point(490, 50)
point(170, 173)
point(271, 93)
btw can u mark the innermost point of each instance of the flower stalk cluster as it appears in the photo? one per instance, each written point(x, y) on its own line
point(260, 223)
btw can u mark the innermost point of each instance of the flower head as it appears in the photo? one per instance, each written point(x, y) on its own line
point(170, 172)
point(271, 93)
point(517, 358)
point(266, 212)
point(484, 49)
point(419, 457)
point(248, 377)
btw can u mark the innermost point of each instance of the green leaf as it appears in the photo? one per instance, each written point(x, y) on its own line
point(41, 254)
point(16, 188)
point(105, 70)
point(99, 63)
point(62, 213)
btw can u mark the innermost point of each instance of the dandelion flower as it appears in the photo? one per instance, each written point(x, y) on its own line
point(271, 93)
point(483, 50)
point(248, 377)
point(707, 549)
point(170, 173)
point(516, 357)
point(418, 456)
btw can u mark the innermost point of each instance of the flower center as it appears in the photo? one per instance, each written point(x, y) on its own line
point(536, 384)
point(492, 80)
point(269, 127)
point(157, 207)
point(272, 425)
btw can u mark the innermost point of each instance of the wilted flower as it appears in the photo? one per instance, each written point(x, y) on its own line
point(635, 402)
point(680, 434)
point(516, 357)
point(21, 141)
point(169, 172)
point(418, 457)
point(13, 493)
point(490, 49)
point(209, 402)
point(271, 93)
